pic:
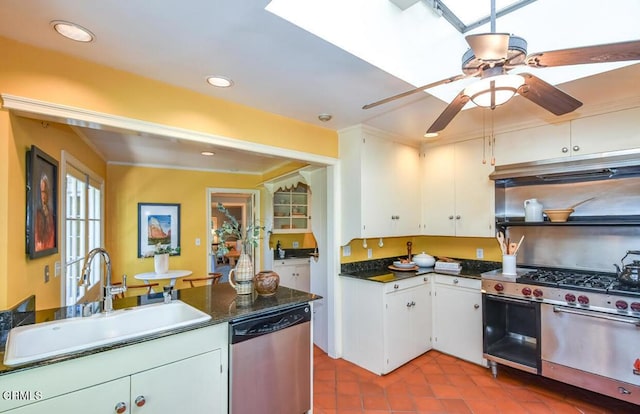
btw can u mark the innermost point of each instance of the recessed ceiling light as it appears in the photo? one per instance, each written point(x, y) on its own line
point(325, 117)
point(208, 153)
point(219, 81)
point(72, 31)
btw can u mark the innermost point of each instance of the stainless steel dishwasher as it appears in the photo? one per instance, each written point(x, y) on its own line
point(270, 362)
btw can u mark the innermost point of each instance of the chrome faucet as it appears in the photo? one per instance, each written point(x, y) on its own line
point(109, 290)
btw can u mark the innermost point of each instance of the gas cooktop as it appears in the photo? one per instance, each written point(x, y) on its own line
point(582, 280)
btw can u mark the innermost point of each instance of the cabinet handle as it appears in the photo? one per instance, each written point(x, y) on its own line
point(413, 303)
point(476, 306)
point(458, 217)
point(565, 149)
point(455, 281)
point(140, 400)
point(576, 148)
point(450, 217)
point(396, 286)
point(120, 408)
point(408, 304)
point(426, 279)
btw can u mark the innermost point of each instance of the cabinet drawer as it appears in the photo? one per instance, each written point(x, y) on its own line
point(407, 283)
point(459, 281)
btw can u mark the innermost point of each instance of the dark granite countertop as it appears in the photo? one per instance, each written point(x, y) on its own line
point(219, 300)
point(380, 267)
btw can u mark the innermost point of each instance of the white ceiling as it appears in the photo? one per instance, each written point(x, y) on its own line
point(281, 68)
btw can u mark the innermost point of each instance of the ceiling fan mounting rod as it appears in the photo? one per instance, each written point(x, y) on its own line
point(493, 16)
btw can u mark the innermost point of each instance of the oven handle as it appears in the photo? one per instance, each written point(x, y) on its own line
point(635, 322)
point(508, 299)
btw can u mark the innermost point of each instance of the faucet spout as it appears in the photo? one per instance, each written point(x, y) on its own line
point(109, 290)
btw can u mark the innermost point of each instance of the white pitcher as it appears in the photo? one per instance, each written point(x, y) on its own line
point(532, 210)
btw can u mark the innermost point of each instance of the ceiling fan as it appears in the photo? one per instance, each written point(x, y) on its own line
point(492, 55)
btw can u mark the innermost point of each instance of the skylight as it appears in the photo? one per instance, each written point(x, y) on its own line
point(420, 46)
point(466, 15)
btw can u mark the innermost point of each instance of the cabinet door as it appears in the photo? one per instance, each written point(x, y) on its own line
point(99, 399)
point(377, 187)
point(438, 196)
point(406, 191)
point(458, 322)
point(533, 144)
point(474, 191)
point(193, 385)
point(303, 277)
point(606, 132)
point(399, 334)
point(422, 313)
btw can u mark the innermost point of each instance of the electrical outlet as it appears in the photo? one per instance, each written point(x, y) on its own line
point(346, 251)
point(197, 241)
point(479, 253)
point(369, 253)
point(46, 274)
point(57, 268)
point(295, 244)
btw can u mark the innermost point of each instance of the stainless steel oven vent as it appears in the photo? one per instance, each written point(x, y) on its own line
point(576, 169)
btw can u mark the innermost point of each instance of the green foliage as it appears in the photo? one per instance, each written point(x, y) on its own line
point(249, 237)
point(162, 249)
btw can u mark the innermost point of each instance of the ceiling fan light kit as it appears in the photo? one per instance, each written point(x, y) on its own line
point(492, 91)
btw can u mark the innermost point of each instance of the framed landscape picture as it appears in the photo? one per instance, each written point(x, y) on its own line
point(158, 224)
point(41, 234)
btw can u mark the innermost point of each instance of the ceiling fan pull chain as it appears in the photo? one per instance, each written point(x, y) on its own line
point(484, 138)
point(492, 141)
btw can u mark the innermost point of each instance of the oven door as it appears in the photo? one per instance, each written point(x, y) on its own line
point(511, 332)
point(601, 343)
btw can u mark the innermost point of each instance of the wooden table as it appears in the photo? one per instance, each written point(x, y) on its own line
point(172, 275)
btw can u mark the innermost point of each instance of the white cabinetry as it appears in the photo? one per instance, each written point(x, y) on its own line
point(458, 196)
point(385, 325)
point(292, 210)
point(186, 372)
point(380, 185)
point(294, 273)
point(611, 131)
point(457, 310)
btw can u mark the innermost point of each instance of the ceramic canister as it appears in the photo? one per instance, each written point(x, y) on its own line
point(532, 210)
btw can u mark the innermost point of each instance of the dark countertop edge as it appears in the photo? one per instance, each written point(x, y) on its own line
point(407, 275)
point(198, 297)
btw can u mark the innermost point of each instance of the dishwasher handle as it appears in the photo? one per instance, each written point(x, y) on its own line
point(259, 325)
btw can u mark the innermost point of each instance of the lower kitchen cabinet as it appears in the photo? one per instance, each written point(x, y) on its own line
point(294, 273)
point(385, 325)
point(457, 309)
point(186, 372)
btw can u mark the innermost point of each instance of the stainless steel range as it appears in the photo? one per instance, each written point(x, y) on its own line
point(581, 328)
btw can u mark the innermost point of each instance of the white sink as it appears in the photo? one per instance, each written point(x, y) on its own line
point(41, 341)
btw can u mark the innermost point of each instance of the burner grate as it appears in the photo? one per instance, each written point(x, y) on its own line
point(569, 279)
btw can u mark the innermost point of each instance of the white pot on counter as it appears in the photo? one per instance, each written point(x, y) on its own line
point(424, 260)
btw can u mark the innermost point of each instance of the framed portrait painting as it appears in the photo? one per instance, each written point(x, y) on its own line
point(158, 224)
point(42, 204)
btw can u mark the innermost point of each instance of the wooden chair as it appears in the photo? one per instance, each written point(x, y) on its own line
point(211, 279)
point(148, 286)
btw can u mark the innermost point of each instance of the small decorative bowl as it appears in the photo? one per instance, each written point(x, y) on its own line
point(558, 215)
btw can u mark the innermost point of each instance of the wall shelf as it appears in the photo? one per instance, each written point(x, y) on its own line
point(504, 222)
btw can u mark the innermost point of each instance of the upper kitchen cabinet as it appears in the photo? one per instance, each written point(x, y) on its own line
point(458, 196)
point(292, 210)
point(380, 180)
point(611, 131)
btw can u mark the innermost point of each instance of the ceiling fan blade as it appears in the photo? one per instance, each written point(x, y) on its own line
point(612, 52)
point(489, 46)
point(418, 89)
point(449, 113)
point(547, 96)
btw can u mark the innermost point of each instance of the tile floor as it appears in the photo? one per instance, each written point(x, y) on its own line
point(439, 383)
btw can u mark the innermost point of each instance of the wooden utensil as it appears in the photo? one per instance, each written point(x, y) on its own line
point(518, 245)
point(512, 248)
point(582, 202)
point(500, 237)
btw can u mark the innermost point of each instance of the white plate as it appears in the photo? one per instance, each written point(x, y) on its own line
point(401, 265)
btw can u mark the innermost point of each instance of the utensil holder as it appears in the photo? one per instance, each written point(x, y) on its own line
point(509, 264)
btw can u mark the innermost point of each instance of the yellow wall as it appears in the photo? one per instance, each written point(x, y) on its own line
point(305, 240)
point(21, 276)
point(48, 76)
point(130, 185)
point(459, 247)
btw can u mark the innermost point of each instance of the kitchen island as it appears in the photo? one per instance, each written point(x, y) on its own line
point(185, 369)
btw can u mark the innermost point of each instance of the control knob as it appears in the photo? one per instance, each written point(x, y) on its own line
point(537, 293)
point(526, 291)
point(498, 287)
point(583, 300)
point(635, 306)
point(570, 298)
point(621, 304)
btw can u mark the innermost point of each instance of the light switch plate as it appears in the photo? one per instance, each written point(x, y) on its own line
point(295, 244)
point(479, 253)
point(346, 251)
point(369, 253)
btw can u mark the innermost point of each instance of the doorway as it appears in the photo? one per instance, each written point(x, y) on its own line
point(244, 206)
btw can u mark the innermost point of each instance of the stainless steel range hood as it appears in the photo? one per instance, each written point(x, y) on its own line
point(585, 168)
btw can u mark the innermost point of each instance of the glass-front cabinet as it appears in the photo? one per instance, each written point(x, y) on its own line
point(292, 210)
